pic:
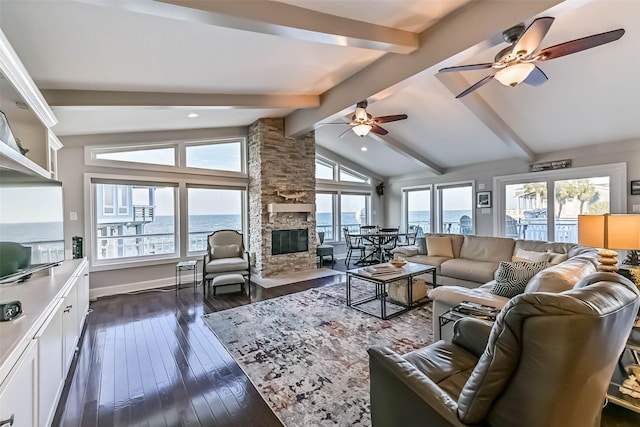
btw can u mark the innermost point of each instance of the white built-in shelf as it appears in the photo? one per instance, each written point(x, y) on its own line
point(308, 208)
point(10, 158)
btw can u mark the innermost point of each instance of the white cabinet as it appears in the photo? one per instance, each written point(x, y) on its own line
point(70, 326)
point(38, 349)
point(51, 364)
point(19, 391)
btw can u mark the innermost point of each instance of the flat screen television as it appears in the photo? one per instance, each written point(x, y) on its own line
point(31, 224)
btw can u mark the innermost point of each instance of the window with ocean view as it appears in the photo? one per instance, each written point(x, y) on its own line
point(456, 207)
point(354, 211)
point(417, 209)
point(211, 209)
point(325, 214)
point(144, 228)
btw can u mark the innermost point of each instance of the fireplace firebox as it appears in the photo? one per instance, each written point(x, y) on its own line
point(289, 241)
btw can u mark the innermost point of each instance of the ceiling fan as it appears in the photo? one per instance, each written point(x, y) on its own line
point(362, 122)
point(515, 63)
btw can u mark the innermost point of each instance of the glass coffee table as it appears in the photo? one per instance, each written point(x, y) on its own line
point(376, 302)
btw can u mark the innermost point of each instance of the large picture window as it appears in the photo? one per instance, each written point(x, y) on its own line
point(417, 210)
point(455, 208)
point(211, 209)
point(354, 211)
point(325, 214)
point(145, 228)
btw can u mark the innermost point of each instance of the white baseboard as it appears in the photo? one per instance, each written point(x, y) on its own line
point(105, 291)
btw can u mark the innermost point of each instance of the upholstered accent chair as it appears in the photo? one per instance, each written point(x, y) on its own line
point(546, 362)
point(225, 255)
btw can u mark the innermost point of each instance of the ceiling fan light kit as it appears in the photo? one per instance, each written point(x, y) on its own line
point(515, 63)
point(362, 130)
point(514, 74)
point(362, 122)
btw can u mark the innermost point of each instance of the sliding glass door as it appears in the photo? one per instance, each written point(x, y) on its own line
point(545, 206)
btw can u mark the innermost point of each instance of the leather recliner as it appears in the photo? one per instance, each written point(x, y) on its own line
point(546, 362)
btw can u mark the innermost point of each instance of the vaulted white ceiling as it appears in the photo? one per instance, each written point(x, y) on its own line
point(143, 65)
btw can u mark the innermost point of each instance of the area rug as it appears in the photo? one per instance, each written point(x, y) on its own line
point(306, 353)
point(301, 276)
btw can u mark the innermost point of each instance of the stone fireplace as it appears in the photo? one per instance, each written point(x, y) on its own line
point(282, 193)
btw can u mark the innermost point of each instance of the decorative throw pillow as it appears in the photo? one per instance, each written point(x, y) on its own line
point(512, 277)
point(439, 246)
point(225, 251)
point(406, 250)
point(555, 258)
point(421, 243)
point(530, 256)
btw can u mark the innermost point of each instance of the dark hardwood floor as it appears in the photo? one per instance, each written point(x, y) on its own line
point(149, 360)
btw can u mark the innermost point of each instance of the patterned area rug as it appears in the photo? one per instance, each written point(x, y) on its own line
point(306, 353)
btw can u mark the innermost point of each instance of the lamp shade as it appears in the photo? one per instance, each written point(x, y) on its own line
point(609, 231)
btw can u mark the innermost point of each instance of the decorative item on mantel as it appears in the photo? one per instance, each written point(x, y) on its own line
point(295, 196)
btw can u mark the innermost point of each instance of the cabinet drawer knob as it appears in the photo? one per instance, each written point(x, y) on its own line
point(7, 422)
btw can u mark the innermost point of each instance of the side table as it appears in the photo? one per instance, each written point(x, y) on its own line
point(186, 266)
point(486, 313)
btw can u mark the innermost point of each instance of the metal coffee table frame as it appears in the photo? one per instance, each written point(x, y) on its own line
point(408, 272)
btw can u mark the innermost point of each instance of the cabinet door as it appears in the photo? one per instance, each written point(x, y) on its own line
point(70, 323)
point(83, 295)
point(51, 364)
point(19, 391)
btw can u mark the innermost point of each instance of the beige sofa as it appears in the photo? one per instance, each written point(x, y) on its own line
point(476, 258)
point(469, 274)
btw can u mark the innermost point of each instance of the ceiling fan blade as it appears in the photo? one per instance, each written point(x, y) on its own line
point(466, 67)
point(577, 45)
point(377, 129)
point(345, 132)
point(475, 86)
point(387, 119)
point(536, 77)
point(530, 40)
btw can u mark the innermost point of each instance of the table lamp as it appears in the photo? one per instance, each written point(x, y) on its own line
point(609, 232)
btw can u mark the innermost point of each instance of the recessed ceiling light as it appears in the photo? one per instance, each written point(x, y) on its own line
point(192, 115)
point(363, 149)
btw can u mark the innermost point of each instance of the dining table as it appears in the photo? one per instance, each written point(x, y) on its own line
point(376, 240)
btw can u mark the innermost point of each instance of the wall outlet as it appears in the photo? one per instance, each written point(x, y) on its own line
point(636, 208)
point(73, 216)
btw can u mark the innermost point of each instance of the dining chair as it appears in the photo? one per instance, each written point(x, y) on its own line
point(353, 244)
point(388, 242)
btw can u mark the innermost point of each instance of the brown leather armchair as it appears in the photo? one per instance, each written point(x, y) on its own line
point(546, 362)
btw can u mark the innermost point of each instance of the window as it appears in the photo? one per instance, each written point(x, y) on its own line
point(456, 207)
point(211, 209)
point(123, 200)
point(417, 210)
point(347, 175)
point(153, 156)
point(324, 169)
point(224, 156)
point(527, 200)
point(145, 229)
point(108, 199)
point(342, 199)
point(325, 214)
point(354, 211)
